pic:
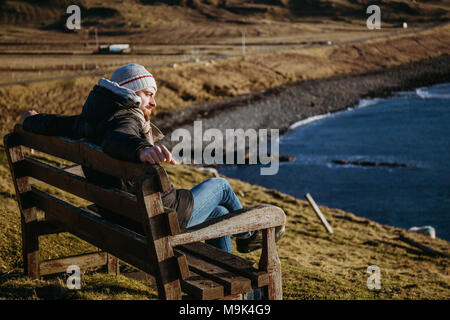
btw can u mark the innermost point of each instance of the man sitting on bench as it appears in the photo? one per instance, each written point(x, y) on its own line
point(116, 116)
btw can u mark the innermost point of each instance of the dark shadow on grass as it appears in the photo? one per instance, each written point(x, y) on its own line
point(12, 291)
point(3, 157)
point(115, 289)
point(399, 246)
point(53, 289)
point(7, 194)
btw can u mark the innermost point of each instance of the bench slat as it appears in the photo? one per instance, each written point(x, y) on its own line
point(42, 228)
point(242, 220)
point(95, 259)
point(201, 288)
point(227, 261)
point(115, 200)
point(86, 154)
point(232, 283)
point(122, 243)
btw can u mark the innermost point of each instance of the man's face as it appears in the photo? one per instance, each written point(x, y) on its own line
point(148, 101)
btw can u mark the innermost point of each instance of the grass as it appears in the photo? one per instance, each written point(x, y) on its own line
point(315, 264)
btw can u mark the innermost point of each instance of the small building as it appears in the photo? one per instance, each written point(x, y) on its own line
point(114, 48)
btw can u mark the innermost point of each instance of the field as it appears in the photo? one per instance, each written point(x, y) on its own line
point(74, 56)
point(164, 33)
point(285, 44)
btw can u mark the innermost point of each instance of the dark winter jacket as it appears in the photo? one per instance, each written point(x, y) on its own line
point(106, 120)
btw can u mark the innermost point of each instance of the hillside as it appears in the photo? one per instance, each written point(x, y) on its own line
point(229, 11)
point(188, 21)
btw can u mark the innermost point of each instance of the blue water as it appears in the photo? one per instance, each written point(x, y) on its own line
point(411, 128)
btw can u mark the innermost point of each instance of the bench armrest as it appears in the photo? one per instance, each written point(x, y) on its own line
point(244, 220)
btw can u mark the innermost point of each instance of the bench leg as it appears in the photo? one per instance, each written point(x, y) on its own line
point(270, 263)
point(28, 213)
point(30, 251)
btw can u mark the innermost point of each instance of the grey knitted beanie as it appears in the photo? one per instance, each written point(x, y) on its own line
point(134, 77)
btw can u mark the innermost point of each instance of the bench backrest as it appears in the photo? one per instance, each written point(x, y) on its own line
point(149, 251)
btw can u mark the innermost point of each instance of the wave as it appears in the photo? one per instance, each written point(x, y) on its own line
point(429, 94)
point(308, 120)
point(439, 92)
point(362, 104)
point(367, 103)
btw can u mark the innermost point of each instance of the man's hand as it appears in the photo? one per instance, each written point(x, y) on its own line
point(156, 155)
point(27, 114)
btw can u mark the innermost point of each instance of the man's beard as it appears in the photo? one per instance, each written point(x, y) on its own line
point(147, 114)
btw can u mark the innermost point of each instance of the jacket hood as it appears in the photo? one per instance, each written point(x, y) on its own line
point(106, 98)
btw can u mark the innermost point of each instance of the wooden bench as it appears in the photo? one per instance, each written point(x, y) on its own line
point(183, 266)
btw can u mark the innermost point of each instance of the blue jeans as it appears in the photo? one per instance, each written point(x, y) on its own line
point(214, 198)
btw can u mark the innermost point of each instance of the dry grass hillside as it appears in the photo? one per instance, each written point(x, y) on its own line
point(46, 14)
point(207, 21)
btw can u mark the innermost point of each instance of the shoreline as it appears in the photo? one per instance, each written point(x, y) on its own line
point(281, 107)
point(363, 103)
point(367, 103)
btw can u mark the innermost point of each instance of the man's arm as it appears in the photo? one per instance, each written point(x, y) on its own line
point(49, 124)
point(121, 139)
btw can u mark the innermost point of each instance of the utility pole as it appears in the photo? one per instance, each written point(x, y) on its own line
point(243, 43)
point(96, 38)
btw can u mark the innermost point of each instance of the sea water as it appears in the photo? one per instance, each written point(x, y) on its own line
point(412, 128)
